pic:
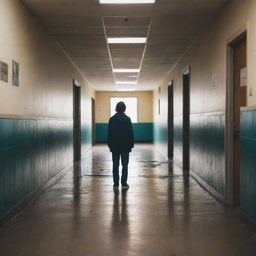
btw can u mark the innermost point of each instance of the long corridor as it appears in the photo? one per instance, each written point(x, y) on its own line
point(163, 213)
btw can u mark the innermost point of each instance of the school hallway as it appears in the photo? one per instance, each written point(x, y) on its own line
point(175, 77)
point(164, 213)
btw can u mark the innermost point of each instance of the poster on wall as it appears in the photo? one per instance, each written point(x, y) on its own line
point(243, 77)
point(15, 73)
point(3, 71)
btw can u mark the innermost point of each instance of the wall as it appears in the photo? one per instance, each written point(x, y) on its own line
point(36, 118)
point(143, 130)
point(248, 162)
point(207, 58)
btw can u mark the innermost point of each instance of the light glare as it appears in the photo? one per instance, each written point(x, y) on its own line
point(125, 82)
point(127, 1)
point(126, 90)
point(127, 40)
point(131, 106)
point(127, 70)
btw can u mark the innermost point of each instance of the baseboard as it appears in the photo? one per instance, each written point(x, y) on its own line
point(16, 209)
point(207, 187)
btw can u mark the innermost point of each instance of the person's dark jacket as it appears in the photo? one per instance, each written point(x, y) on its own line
point(120, 133)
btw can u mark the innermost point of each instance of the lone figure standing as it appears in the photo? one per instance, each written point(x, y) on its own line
point(120, 142)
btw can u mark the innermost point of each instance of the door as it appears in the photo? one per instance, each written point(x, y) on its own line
point(186, 118)
point(170, 121)
point(239, 100)
point(93, 121)
point(77, 120)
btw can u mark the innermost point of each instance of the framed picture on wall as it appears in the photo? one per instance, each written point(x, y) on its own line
point(15, 73)
point(3, 71)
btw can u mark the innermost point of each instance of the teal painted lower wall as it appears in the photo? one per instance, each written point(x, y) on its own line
point(207, 149)
point(177, 138)
point(32, 152)
point(101, 131)
point(86, 136)
point(160, 137)
point(160, 133)
point(207, 158)
point(248, 164)
point(143, 132)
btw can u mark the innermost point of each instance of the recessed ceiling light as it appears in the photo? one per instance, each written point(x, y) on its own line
point(127, 40)
point(127, 1)
point(126, 90)
point(125, 82)
point(126, 70)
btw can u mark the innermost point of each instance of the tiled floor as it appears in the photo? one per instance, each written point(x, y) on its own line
point(164, 213)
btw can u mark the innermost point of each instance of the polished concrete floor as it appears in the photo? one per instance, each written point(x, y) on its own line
point(164, 213)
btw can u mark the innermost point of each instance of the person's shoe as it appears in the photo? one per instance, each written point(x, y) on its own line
point(115, 187)
point(125, 186)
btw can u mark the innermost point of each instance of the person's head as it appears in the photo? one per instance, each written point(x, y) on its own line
point(120, 107)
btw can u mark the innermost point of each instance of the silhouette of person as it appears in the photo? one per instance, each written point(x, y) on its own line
point(120, 142)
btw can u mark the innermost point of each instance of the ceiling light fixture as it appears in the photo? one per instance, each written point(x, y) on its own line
point(125, 82)
point(126, 90)
point(126, 70)
point(127, 40)
point(127, 1)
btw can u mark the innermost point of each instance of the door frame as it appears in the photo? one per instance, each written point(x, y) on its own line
point(93, 120)
point(186, 166)
point(77, 120)
point(229, 116)
point(170, 120)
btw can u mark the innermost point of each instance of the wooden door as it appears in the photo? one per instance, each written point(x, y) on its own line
point(77, 120)
point(170, 121)
point(186, 119)
point(93, 121)
point(239, 99)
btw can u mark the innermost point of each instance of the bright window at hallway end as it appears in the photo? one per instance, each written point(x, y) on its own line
point(131, 106)
point(127, 1)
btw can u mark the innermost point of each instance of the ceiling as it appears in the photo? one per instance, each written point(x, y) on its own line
point(82, 26)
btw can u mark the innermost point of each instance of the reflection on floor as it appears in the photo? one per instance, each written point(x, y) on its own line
point(163, 213)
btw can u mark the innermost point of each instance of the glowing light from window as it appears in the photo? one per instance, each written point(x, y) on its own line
point(131, 107)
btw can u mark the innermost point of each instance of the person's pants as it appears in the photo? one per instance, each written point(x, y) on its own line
point(124, 160)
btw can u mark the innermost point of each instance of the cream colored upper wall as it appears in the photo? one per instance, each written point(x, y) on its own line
point(208, 60)
point(145, 105)
point(45, 72)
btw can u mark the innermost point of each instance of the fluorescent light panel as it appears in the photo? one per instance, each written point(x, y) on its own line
point(125, 82)
point(126, 90)
point(127, 40)
point(125, 70)
point(127, 1)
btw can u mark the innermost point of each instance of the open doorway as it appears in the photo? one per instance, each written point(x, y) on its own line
point(77, 120)
point(186, 119)
point(93, 120)
point(170, 120)
point(236, 98)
